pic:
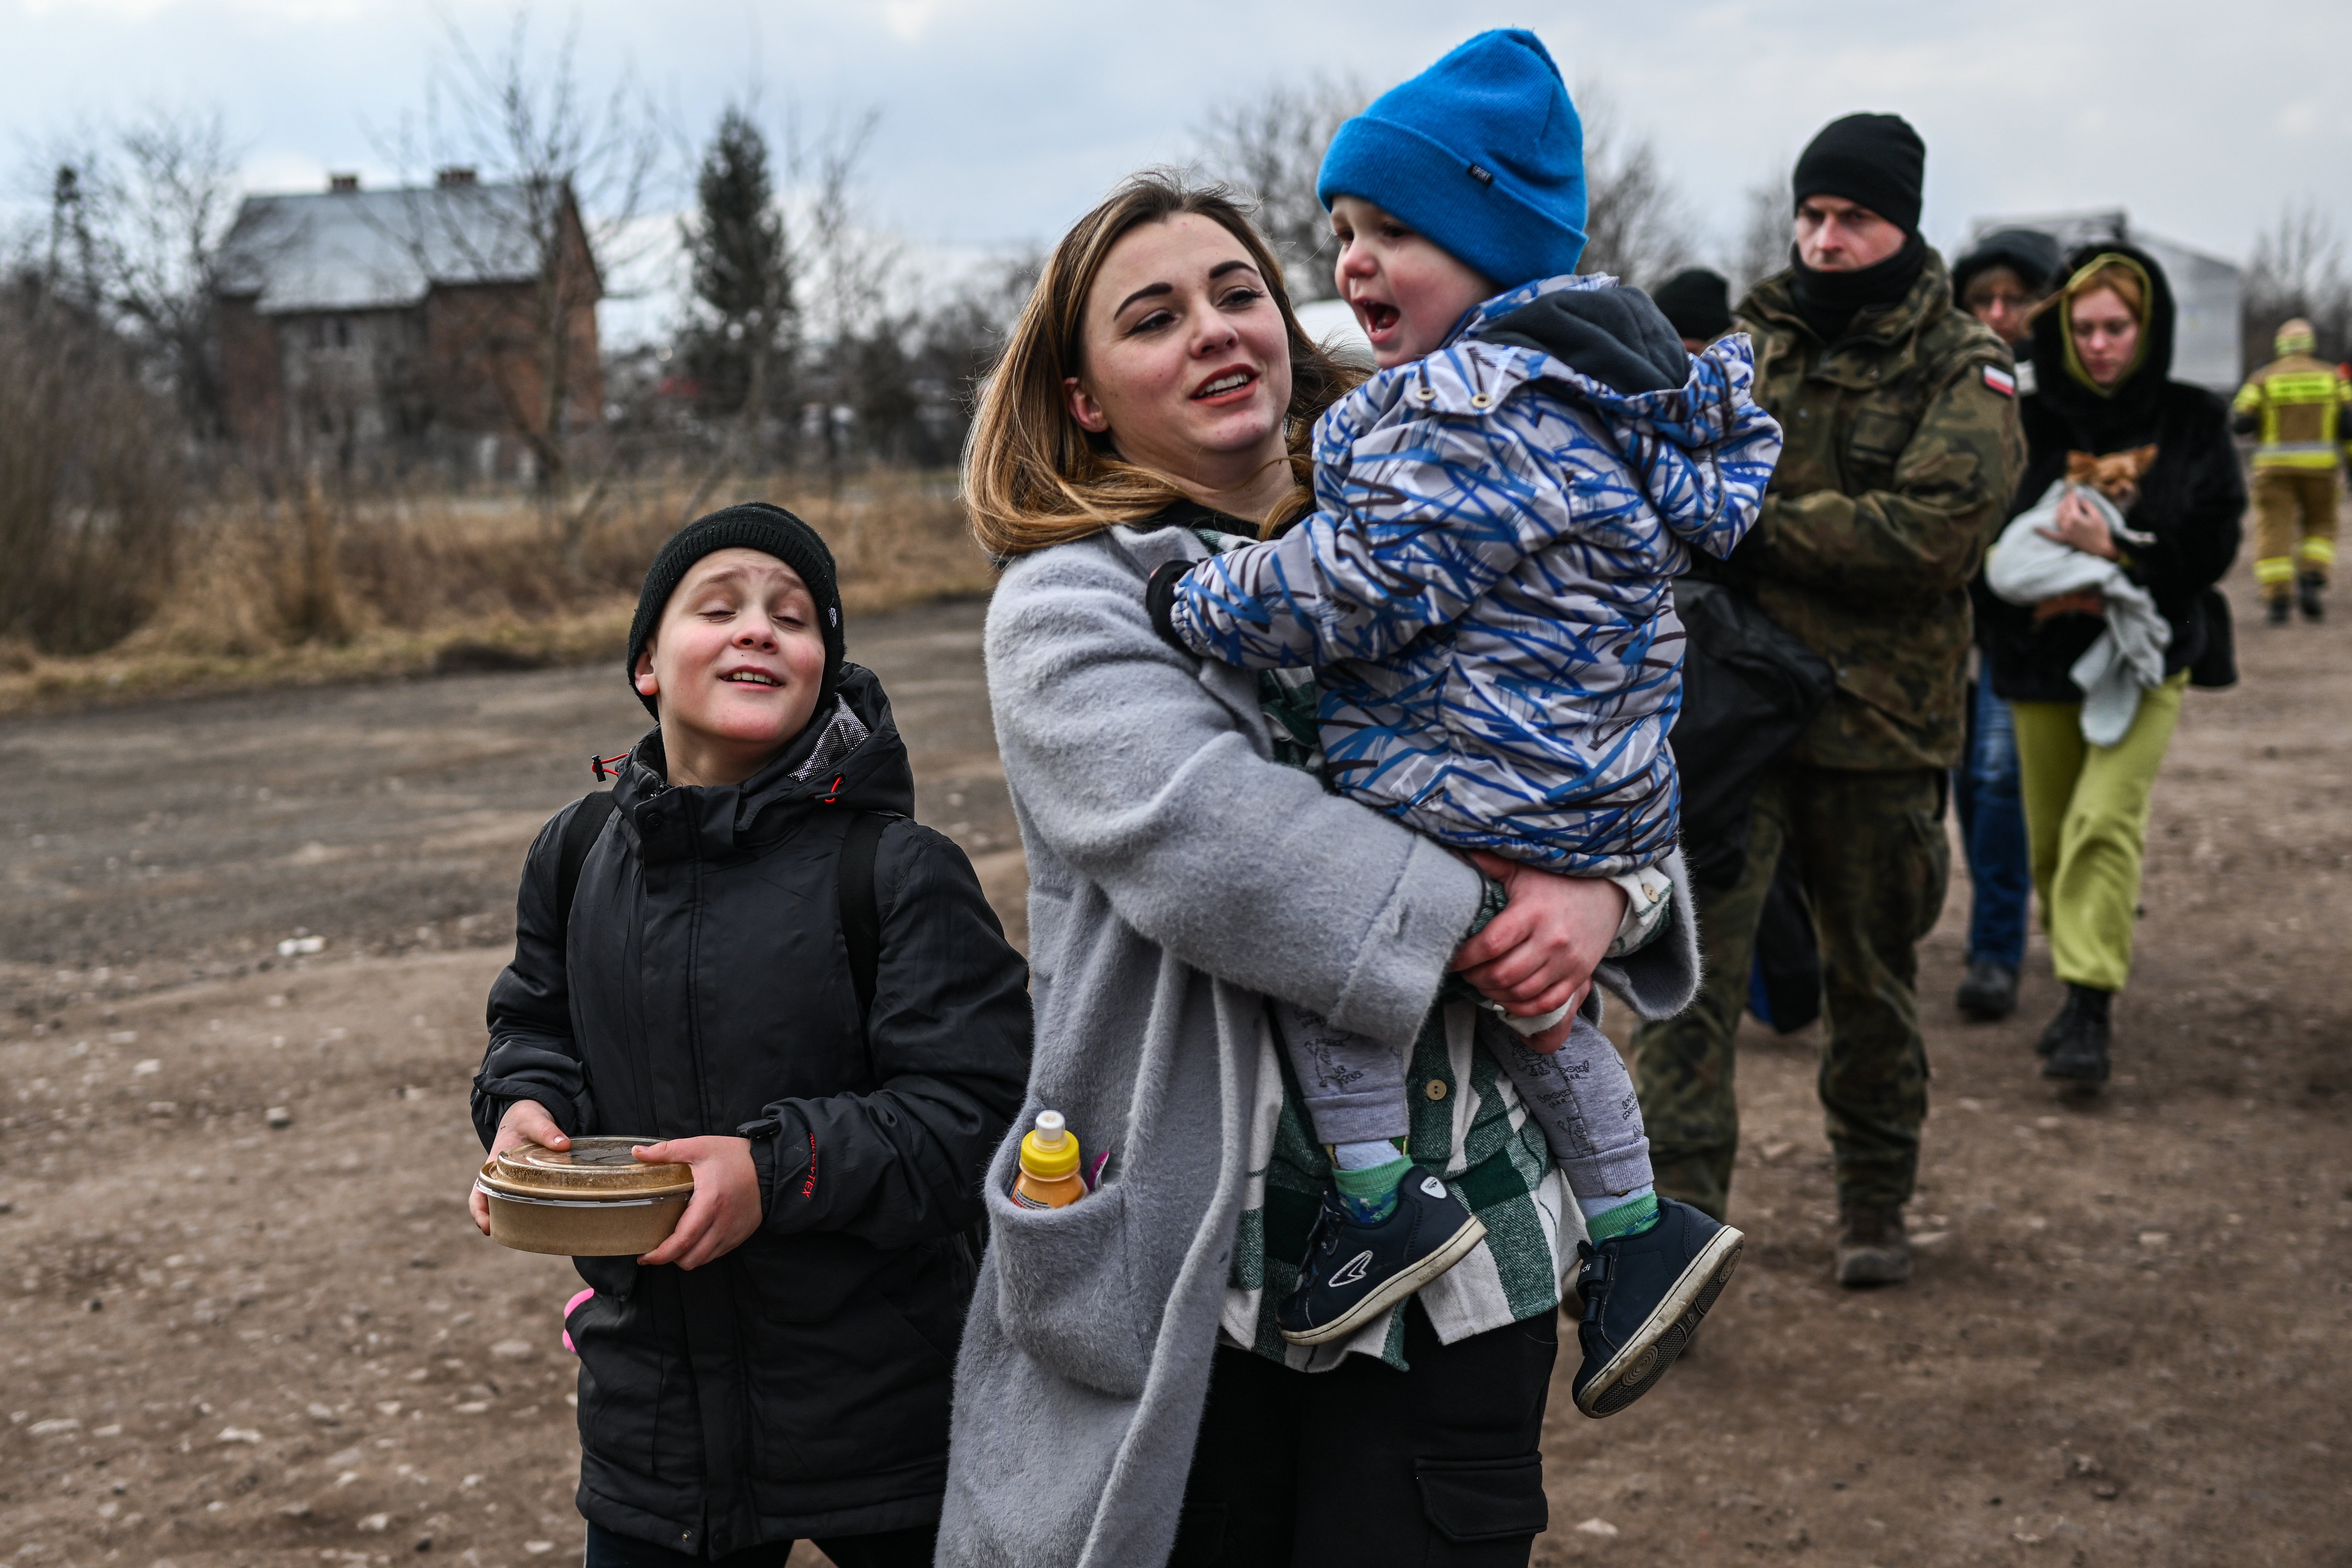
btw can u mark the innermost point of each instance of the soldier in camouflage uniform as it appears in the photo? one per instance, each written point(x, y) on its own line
point(1903, 450)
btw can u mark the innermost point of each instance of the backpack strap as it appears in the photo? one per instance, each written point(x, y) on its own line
point(861, 915)
point(571, 851)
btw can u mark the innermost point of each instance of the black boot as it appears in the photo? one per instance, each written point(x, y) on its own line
point(2282, 610)
point(1872, 1247)
point(1990, 992)
point(2306, 595)
point(2076, 1040)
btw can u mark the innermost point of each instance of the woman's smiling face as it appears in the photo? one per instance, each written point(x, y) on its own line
point(1186, 357)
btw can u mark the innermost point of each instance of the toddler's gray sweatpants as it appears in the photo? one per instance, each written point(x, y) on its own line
point(1581, 1095)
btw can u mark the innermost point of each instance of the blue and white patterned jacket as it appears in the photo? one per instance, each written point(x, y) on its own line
point(1484, 590)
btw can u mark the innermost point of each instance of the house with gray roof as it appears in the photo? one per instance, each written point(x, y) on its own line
point(454, 324)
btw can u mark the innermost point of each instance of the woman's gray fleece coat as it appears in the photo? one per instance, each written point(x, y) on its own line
point(1178, 876)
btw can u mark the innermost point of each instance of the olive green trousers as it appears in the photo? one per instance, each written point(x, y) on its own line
point(1874, 862)
point(2086, 810)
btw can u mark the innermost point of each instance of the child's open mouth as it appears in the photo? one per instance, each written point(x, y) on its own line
point(1232, 381)
point(750, 677)
point(1379, 316)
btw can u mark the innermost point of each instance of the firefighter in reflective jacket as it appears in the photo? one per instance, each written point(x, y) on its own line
point(2297, 403)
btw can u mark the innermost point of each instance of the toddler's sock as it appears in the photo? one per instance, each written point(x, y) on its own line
point(1620, 1214)
point(1367, 1175)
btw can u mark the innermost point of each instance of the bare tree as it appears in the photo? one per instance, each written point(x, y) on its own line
point(91, 480)
point(1269, 146)
point(137, 214)
point(851, 268)
point(1636, 228)
point(568, 177)
point(168, 202)
point(2298, 270)
point(1766, 231)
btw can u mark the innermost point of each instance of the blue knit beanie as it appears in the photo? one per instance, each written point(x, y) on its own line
point(1482, 153)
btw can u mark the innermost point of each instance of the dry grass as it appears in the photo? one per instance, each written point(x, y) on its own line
point(306, 592)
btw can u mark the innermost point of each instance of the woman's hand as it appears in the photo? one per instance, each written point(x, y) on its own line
point(1540, 953)
point(2081, 527)
point(526, 1122)
point(725, 1209)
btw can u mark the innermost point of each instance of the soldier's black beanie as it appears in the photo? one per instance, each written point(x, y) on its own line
point(1876, 161)
point(750, 525)
point(1697, 302)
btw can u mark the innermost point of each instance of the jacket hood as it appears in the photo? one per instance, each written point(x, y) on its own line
point(2028, 252)
point(851, 760)
point(1607, 346)
point(1617, 336)
point(2105, 419)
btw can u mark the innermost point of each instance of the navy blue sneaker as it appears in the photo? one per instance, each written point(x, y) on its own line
point(1643, 1298)
point(1354, 1272)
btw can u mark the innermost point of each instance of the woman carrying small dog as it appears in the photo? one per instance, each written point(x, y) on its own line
point(2103, 345)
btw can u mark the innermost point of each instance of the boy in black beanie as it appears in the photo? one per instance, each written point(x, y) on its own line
point(748, 955)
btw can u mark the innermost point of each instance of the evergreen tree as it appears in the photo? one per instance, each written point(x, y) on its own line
point(742, 276)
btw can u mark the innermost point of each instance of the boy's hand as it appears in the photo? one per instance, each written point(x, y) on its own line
point(526, 1122)
point(725, 1209)
point(1540, 953)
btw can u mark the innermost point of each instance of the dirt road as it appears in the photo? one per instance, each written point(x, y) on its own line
point(225, 1344)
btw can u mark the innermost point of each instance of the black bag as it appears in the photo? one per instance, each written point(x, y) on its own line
point(2215, 668)
point(1749, 690)
point(1786, 991)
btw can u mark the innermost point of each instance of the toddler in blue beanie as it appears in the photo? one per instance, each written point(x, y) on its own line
point(1483, 594)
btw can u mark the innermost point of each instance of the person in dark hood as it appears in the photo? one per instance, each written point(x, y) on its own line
point(1998, 282)
point(1697, 302)
point(1902, 454)
point(779, 1367)
point(2104, 343)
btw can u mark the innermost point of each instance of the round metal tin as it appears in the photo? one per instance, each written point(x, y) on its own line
point(591, 1169)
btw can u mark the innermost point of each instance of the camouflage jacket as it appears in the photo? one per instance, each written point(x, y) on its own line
point(1903, 450)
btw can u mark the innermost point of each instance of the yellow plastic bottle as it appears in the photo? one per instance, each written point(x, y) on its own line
point(1049, 1165)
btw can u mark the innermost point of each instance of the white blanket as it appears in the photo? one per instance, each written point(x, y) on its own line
point(2026, 568)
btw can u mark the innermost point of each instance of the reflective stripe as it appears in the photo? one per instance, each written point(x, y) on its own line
point(2319, 551)
point(2249, 399)
point(2274, 569)
point(2317, 456)
point(2302, 388)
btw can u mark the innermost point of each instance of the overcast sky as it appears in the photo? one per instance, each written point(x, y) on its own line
point(1003, 119)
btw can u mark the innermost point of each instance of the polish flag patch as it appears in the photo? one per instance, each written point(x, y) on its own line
point(2001, 380)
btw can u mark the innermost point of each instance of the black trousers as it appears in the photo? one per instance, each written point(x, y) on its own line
point(1367, 1466)
point(892, 1549)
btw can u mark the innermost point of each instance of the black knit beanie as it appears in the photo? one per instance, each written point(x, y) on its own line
point(1876, 161)
point(1697, 302)
point(750, 525)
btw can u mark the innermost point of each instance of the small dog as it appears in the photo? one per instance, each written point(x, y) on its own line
point(2115, 476)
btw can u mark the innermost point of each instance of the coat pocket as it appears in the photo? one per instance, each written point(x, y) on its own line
point(1064, 1293)
point(1495, 1504)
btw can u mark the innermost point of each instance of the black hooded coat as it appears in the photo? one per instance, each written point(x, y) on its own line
point(2191, 498)
point(799, 1385)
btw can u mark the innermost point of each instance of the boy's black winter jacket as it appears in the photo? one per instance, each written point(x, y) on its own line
point(2191, 498)
point(798, 1387)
